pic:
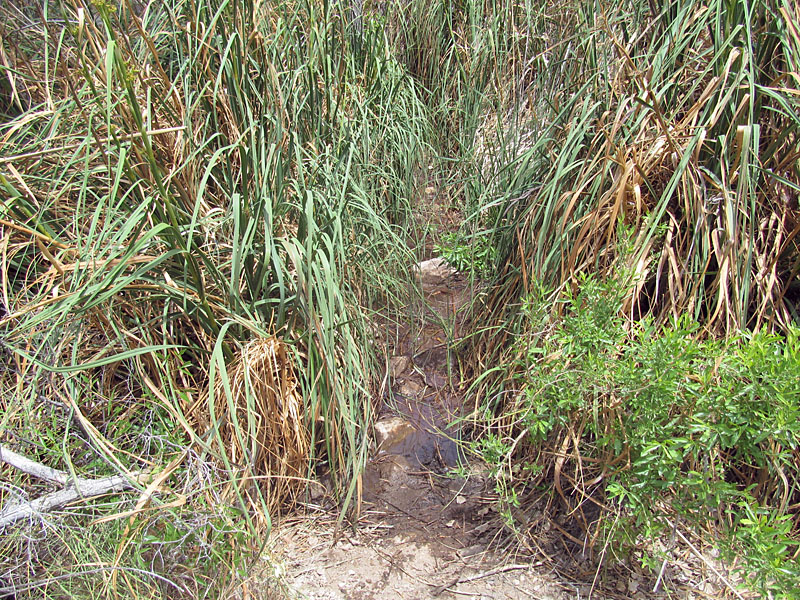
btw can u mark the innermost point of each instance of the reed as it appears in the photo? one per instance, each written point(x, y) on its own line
point(202, 204)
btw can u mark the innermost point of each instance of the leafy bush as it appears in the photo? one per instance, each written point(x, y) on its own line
point(468, 254)
point(662, 425)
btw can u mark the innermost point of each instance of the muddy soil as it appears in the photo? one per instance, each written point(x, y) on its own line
point(427, 522)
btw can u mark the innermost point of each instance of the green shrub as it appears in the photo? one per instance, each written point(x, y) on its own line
point(468, 254)
point(671, 427)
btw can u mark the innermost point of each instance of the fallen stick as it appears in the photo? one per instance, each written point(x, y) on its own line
point(446, 586)
point(493, 572)
point(75, 489)
point(31, 467)
point(17, 589)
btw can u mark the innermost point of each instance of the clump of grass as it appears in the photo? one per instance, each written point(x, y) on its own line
point(201, 204)
point(259, 404)
point(682, 124)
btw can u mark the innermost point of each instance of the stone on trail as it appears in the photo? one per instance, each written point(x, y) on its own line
point(390, 433)
point(434, 271)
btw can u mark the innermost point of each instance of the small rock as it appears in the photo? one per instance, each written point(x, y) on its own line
point(482, 528)
point(398, 365)
point(633, 586)
point(316, 490)
point(434, 271)
point(410, 389)
point(390, 432)
point(460, 500)
point(470, 551)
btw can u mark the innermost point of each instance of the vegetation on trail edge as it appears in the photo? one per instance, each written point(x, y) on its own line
point(635, 360)
point(649, 423)
point(203, 203)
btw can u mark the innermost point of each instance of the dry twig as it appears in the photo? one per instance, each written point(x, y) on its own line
point(75, 489)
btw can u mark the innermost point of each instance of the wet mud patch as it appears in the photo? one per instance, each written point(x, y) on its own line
point(423, 399)
point(427, 522)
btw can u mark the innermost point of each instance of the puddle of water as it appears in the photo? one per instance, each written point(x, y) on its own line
point(424, 439)
point(421, 393)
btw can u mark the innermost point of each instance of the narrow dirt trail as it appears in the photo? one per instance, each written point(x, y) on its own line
point(428, 526)
point(424, 532)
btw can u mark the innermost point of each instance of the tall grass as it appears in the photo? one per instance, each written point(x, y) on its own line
point(472, 60)
point(201, 203)
point(659, 141)
point(680, 125)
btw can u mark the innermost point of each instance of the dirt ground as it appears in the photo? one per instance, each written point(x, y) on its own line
point(400, 556)
point(426, 527)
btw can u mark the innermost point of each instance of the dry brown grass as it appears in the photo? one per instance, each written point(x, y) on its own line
point(264, 429)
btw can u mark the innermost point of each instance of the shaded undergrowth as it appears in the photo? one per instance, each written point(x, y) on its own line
point(650, 423)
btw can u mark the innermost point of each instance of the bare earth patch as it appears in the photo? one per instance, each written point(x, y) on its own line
point(403, 560)
point(424, 532)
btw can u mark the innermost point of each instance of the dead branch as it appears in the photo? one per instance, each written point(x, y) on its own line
point(31, 467)
point(75, 489)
